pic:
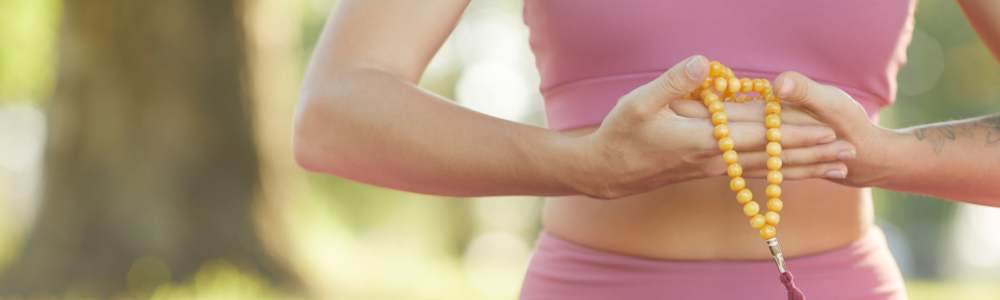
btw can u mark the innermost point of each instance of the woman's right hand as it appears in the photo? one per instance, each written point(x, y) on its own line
point(643, 144)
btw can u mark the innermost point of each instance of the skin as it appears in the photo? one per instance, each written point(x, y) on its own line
point(648, 181)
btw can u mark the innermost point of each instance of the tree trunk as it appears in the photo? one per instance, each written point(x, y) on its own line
point(150, 155)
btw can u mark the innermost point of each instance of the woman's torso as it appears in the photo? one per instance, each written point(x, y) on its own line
point(591, 52)
point(700, 220)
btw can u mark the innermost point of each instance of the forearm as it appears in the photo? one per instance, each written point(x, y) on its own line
point(957, 160)
point(373, 127)
point(984, 16)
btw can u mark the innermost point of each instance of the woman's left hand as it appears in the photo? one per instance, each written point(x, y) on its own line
point(874, 144)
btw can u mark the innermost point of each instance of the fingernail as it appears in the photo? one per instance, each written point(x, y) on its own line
point(787, 85)
point(696, 67)
point(846, 154)
point(839, 174)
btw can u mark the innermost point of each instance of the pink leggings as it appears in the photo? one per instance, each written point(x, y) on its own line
point(561, 269)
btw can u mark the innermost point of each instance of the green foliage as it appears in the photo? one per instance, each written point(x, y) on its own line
point(219, 280)
point(965, 290)
point(27, 39)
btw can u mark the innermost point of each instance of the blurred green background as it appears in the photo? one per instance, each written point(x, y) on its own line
point(144, 154)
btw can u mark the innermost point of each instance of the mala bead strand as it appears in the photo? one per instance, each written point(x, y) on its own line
point(723, 86)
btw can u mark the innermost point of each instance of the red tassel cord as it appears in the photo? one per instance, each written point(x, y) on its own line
point(794, 293)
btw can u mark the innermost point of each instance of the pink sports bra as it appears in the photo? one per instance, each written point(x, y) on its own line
point(591, 52)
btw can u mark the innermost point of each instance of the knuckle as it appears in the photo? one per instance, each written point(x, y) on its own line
point(794, 174)
point(605, 190)
point(687, 108)
point(791, 157)
point(713, 168)
point(802, 88)
point(631, 110)
point(706, 146)
point(604, 195)
point(819, 170)
point(635, 109)
point(674, 83)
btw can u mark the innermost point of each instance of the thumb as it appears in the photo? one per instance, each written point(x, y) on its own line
point(829, 104)
point(676, 83)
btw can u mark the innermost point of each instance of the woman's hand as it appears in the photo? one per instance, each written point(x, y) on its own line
point(644, 144)
point(836, 108)
point(794, 159)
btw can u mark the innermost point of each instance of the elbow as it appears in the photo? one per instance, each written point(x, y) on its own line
point(305, 156)
point(325, 136)
point(310, 136)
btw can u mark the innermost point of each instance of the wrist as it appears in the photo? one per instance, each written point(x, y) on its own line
point(896, 161)
point(574, 164)
point(559, 160)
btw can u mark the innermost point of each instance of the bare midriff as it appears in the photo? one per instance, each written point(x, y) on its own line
point(701, 220)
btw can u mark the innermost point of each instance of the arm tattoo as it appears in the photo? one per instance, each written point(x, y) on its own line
point(943, 133)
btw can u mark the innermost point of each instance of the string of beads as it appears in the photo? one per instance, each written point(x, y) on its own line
point(723, 86)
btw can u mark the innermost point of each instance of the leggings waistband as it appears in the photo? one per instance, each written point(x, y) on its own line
point(873, 240)
point(863, 269)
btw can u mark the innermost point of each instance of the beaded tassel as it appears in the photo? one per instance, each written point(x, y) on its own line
point(722, 81)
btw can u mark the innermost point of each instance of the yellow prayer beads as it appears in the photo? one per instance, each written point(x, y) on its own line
point(723, 86)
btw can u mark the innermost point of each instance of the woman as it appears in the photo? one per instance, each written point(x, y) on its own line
point(636, 204)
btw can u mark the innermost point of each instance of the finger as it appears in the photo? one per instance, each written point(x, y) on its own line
point(836, 151)
point(677, 82)
point(830, 104)
point(748, 136)
point(757, 160)
point(830, 170)
point(746, 112)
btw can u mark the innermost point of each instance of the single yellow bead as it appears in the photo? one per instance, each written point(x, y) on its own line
point(772, 121)
point(734, 170)
point(728, 72)
point(774, 163)
point(775, 177)
point(773, 149)
point(772, 191)
point(726, 144)
point(716, 106)
point(707, 83)
point(768, 232)
point(715, 69)
point(746, 85)
point(766, 84)
point(737, 183)
point(775, 204)
point(757, 221)
point(708, 97)
point(744, 196)
point(720, 131)
point(730, 157)
point(766, 91)
point(758, 85)
point(772, 218)
point(721, 84)
point(772, 108)
point(704, 93)
point(773, 134)
point(770, 98)
point(734, 85)
point(751, 208)
point(719, 118)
